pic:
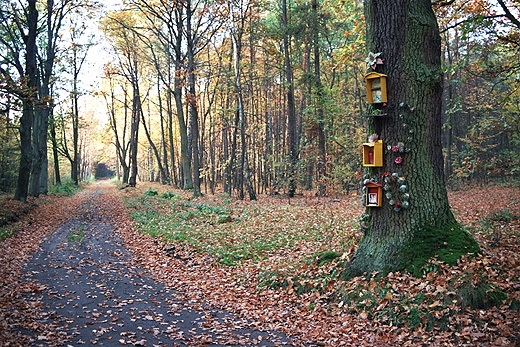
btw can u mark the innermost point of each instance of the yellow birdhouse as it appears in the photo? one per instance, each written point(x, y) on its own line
point(373, 154)
point(376, 87)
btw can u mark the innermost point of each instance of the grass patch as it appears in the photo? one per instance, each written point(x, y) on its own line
point(7, 231)
point(234, 233)
point(76, 236)
point(66, 188)
point(325, 257)
point(151, 192)
point(482, 295)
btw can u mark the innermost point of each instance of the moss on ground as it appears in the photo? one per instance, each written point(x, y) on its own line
point(447, 242)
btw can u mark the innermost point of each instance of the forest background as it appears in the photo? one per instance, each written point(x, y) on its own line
point(269, 98)
point(248, 97)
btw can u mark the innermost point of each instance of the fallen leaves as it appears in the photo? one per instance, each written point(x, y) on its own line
point(315, 317)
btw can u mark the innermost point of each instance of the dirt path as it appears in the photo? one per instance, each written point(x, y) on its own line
point(88, 290)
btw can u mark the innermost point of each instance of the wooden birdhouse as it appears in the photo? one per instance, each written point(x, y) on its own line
point(376, 88)
point(373, 154)
point(374, 194)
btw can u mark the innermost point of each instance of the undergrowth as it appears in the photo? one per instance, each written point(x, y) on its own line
point(229, 233)
point(66, 188)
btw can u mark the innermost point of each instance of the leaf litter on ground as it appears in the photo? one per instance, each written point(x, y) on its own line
point(279, 284)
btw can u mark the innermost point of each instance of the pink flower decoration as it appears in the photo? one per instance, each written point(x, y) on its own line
point(398, 160)
point(395, 149)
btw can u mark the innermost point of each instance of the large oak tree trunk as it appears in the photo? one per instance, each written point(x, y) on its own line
point(421, 225)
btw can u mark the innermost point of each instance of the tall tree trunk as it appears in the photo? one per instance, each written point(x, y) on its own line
point(322, 154)
point(236, 38)
point(291, 108)
point(39, 150)
point(135, 120)
point(119, 140)
point(134, 134)
point(415, 222)
point(153, 151)
point(26, 120)
point(192, 101)
point(40, 173)
point(75, 126)
point(55, 153)
point(187, 181)
point(166, 179)
point(170, 138)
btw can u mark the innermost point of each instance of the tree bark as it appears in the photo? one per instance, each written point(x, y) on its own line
point(153, 150)
point(26, 120)
point(192, 101)
point(321, 166)
point(55, 153)
point(407, 34)
point(236, 39)
point(134, 133)
point(291, 108)
point(186, 175)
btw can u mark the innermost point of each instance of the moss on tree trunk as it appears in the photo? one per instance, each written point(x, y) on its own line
point(416, 210)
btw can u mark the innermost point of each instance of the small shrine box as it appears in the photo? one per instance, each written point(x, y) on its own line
point(374, 193)
point(376, 88)
point(373, 154)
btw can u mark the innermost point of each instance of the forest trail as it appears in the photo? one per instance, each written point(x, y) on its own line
point(83, 286)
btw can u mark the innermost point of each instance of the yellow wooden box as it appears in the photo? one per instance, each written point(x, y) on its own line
point(374, 193)
point(376, 88)
point(373, 154)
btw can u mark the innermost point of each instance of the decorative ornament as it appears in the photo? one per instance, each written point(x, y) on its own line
point(399, 148)
point(373, 138)
point(372, 60)
point(395, 190)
